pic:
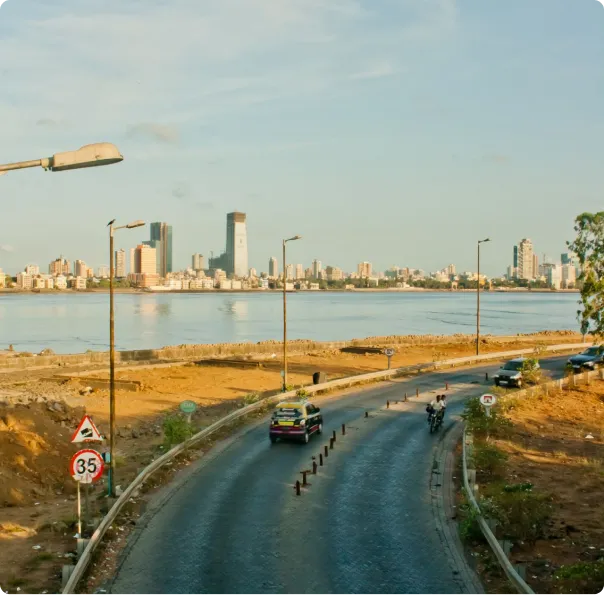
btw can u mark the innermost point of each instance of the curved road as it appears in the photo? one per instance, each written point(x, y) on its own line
point(365, 525)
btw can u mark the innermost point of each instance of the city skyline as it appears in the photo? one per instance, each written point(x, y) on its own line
point(403, 131)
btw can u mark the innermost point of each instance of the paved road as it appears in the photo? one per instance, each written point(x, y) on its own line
point(364, 526)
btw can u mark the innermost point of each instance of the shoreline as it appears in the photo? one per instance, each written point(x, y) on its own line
point(137, 291)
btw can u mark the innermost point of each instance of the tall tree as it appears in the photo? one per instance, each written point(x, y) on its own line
point(589, 249)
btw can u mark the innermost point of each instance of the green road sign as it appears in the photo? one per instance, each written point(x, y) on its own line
point(188, 407)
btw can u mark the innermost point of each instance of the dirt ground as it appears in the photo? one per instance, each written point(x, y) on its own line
point(37, 418)
point(556, 443)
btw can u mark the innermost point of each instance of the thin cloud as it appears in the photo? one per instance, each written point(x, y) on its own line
point(6, 248)
point(180, 191)
point(496, 158)
point(205, 205)
point(47, 122)
point(377, 72)
point(158, 132)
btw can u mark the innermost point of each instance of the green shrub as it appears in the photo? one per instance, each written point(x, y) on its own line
point(302, 394)
point(251, 398)
point(477, 421)
point(583, 577)
point(469, 529)
point(531, 373)
point(176, 430)
point(520, 512)
point(489, 459)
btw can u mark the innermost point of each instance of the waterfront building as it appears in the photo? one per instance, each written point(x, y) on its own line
point(236, 245)
point(145, 260)
point(525, 259)
point(103, 272)
point(161, 241)
point(24, 281)
point(317, 267)
point(120, 263)
point(32, 269)
point(198, 262)
point(273, 268)
point(364, 270)
point(79, 268)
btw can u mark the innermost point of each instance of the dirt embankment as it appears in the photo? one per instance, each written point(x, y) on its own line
point(542, 478)
point(37, 495)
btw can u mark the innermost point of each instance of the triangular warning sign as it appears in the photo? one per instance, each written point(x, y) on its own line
point(86, 432)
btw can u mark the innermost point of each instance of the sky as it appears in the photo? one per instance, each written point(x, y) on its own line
point(394, 131)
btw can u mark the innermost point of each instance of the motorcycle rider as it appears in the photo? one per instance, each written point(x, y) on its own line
point(435, 407)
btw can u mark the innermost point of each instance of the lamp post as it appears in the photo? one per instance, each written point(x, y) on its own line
point(478, 299)
point(112, 231)
point(86, 156)
point(284, 387)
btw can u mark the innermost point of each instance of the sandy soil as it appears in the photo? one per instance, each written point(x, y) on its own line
point(549, 447)
point(37, 495)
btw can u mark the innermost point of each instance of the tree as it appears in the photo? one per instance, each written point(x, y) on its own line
point(589, 249)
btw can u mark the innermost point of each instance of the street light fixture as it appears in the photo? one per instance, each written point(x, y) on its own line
point(112, 231)
point(478, 299)
point(86, 156)
point(284, 387)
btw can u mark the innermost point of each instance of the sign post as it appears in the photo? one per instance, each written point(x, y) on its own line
point(188, 408)
point(79, 511)
point(86, 467)
point(487, 401)
point(389, 353)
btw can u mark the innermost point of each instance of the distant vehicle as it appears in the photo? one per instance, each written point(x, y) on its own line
point(511, 373)
point(297, 420)
point(590, 359)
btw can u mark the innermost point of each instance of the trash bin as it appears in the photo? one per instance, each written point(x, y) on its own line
point(319, 378)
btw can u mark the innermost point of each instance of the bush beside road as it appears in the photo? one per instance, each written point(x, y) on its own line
point(540, 474)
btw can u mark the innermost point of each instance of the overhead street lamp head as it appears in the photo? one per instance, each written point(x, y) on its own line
point(483, 241)
point(294, 238)
point(134, 224)
point(87, 156)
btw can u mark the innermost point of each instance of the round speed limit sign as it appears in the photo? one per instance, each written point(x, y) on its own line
point(86, 466)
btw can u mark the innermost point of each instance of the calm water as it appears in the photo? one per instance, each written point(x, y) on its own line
point(75, 323)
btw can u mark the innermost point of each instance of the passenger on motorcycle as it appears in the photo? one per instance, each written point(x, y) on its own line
point(435, 407)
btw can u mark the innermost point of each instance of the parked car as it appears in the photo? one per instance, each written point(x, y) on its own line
point(297, 420)
point(590, 359)
point(511, 373)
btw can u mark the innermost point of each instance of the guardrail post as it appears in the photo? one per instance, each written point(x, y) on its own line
point(321, 460)
point(343, 429)
point(314, 467)
point(297, 488)
point(331, 442)
point(333, 436)
point(326, 451)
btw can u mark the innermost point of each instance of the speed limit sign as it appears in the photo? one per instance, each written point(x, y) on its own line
point(86, 466)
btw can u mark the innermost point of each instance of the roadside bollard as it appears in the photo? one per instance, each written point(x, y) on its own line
point(486, 376)
point(326, 451)
point(417, 392)
point(297, 488)
point(314, 467)
point(405, 397)
point(304, 482)
point(334, 436)
point(321, 460)
point(331, 441)
point(366, 414)
point(343, 430)
point(446, 386)
point(387, 404)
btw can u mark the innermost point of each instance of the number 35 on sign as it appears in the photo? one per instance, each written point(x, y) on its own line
point(86, 466)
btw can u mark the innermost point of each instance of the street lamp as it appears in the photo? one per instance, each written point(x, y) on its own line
point(478, 299)
point(112, 230)
point(86, 156)
point(284, 388)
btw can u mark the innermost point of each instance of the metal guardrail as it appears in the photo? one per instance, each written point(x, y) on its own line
point(95, 540)
point(517, 581)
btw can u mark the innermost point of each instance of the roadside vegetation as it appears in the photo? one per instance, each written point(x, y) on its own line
point(539, 463)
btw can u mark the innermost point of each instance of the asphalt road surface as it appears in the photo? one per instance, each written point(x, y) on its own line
point(365, 525)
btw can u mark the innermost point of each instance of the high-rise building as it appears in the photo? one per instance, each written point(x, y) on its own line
point(32, 269)
point(316, 268)
point(535, 266)
point(79, 268)
point(515, 261)
point(290, 271)
point(197, 262)
point(526, 261)
point(299, 271)
point(364, 269)
point(451, 270)
point(569, 275)
point(273, 268)
point(60, 266)
point(145, 260)
point(253, 273)
point(334, 273)
point(120, 263)
point(236, 245)
point(161, 240)
point(103, 272)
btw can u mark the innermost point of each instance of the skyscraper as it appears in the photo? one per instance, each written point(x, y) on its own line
point(161, 240)
point(120, 263)
point(316, 268)
point(526, 262)
point(299, 271)
point(364, 269)
point(197, 262)
point(79, 268)
point(236, 245)
point(145, 260)
point(273, 268)
point(289, 273)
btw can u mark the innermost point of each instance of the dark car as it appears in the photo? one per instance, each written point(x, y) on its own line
point(512, 373)
point(590, 359)
point(297, 420)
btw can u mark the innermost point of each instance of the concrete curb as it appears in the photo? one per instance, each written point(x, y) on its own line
point(441, 485)
point(86, 557)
